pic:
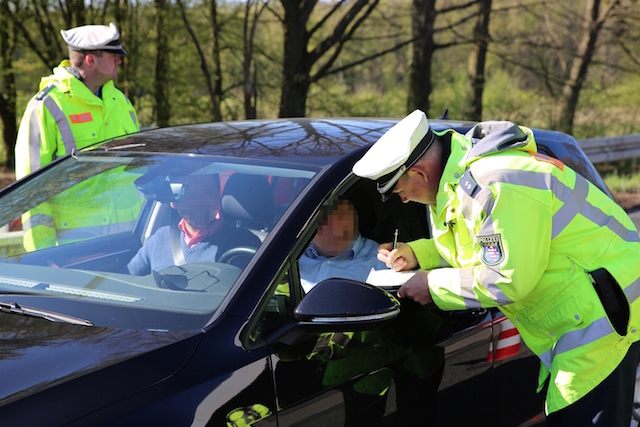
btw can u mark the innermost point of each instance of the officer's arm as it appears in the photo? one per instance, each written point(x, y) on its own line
point(36, 141)
point(426, 253)
point(36, 134)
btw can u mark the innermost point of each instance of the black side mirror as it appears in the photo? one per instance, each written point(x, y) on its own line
point(340, 305)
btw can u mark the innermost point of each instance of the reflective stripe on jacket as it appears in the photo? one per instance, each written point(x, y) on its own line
point(522, 231)
point(65, 115)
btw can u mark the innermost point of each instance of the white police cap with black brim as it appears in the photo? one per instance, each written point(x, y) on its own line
point(94, 37)
point(395, 152)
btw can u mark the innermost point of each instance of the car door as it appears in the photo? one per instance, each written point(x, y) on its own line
point(427, 363)
point(515, 375)
point(376, 375)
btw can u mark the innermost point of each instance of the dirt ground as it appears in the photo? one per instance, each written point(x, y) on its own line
point(627, 200)
point(6, 176)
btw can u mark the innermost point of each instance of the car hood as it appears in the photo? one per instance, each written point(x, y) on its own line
point(42, 361)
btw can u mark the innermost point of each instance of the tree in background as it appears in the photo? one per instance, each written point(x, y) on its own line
point(162, 106)
point(595, 17)
point(8, 39)
point(249, 67)
point(477, 61)
point(300, 56)
point(423, 27)
point(561, 45)
point(32, 23)
point(213, 82)
point(449, 25)
point(127, 20)
point(40, 28)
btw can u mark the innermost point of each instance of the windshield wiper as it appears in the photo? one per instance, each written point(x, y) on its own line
point(14, 308)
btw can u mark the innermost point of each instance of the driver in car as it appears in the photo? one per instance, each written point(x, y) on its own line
point(203, 233)
point(338, 250)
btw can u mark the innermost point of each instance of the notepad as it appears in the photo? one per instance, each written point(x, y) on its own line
point(389, 279)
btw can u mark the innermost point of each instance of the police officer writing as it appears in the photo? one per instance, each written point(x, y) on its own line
point(77, 105)
point(522, 232)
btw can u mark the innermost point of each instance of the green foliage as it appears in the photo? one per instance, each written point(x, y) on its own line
point(610, 110)
point(449, 85)
point(2, 149)
point(623, 183)
point(505, 100)
point(366, 101)
point(609, 103)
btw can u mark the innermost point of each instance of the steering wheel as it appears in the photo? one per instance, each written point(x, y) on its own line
point(237, 252)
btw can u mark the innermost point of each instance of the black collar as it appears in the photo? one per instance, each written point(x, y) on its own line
point(74, 72)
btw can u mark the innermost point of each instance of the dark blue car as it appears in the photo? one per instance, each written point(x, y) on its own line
point(233, 340)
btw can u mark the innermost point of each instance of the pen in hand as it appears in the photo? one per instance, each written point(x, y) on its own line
point(395, 243)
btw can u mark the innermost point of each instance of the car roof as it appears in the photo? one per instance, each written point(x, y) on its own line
point(312, 141)
point(318, 141)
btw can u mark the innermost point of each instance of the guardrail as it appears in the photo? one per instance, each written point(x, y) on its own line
point(611, 148)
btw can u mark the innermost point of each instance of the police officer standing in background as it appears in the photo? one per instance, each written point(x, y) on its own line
point(522, 232)
point(77, 105)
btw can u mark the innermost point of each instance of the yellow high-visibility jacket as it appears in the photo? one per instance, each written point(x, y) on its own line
point(64, 116)
point(521, 232)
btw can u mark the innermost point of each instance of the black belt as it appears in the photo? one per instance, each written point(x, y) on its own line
point(613, 299)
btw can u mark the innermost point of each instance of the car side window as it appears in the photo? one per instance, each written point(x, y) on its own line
point(276, 311)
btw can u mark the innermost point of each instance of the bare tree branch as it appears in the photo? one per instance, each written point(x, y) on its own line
point(215, 107)
point(342, 39)
point(325, 18)
point(368, 58)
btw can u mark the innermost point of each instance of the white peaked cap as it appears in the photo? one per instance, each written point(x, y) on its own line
point(395, 152)
point(94, 37)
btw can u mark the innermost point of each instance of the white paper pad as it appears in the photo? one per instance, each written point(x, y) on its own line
point(388, 278)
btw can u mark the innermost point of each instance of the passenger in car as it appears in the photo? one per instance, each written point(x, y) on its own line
point(204, 235)
point(524, 233)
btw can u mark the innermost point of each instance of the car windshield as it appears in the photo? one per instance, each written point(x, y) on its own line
point(155, 233)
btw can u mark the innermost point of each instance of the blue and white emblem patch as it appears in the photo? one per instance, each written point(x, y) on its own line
point(492, 252)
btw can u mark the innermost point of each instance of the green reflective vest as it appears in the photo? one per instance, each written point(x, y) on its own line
point(65, 116)
point(521, 232)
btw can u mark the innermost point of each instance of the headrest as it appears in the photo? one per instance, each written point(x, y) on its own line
point(248, 197)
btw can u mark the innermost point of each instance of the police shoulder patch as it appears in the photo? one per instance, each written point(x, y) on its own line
point(492, 251)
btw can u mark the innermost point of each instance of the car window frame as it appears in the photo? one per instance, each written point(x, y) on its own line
point(291, 267)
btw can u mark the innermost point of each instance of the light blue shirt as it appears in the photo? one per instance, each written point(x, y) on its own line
point(355, 264)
